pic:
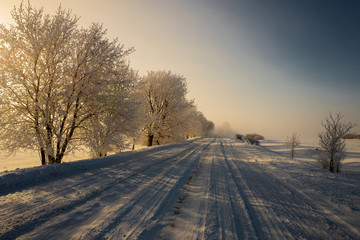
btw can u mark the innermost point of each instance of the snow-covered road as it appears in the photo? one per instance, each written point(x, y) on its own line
point(207, 188)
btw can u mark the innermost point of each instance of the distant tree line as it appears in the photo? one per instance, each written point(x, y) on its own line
point(63, 87)
point(351, 136)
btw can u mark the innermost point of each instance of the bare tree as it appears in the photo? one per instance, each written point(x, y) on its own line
point(332, 143)
point(293, 142)
point(51, 74)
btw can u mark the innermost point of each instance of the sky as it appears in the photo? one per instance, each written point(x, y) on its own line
point(271, 67)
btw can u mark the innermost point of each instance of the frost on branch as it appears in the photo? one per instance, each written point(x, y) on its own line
point(62, 87)
point(167, 116)
point(52, 74)
point(332, 143)
point(293, 142)
point(163, 97)
point(196, 124)
point(108, 130)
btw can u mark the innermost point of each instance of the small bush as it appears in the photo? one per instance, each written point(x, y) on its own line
point(255, 136)
point(252, 141)
point(293, 142)
point(239, 137)
point(331, 140)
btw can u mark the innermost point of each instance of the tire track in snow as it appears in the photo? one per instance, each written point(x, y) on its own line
point(333, 227)
point(276, 193)
point(79, 167)
point(144, 213)
point(324, 205)
point(189, 213)
point(288, 205)
point(235, 198)
point(33, 213)
point(228, 216)
point(264, 220)
point(239, 186)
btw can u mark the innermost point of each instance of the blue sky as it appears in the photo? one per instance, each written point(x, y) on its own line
point(271, 67)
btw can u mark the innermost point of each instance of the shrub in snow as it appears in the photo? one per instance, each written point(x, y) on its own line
point(332, 143)
point(255, 136)
point(239, 137)
point(293, 142)
point(251, 141)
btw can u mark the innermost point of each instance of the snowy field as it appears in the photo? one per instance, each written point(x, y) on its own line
point(207, 188)
point(26, 159)
point(305, 150)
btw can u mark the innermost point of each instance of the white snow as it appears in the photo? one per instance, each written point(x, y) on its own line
point(207, 188)
point(26, 159)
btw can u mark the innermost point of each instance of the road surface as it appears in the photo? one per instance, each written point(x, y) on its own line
point(207, 188)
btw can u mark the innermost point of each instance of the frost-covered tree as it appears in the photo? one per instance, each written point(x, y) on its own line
point(51, 75)
point(163, 95)
point(108, 130)
point(293, 142)
point(331, 141)
point(193, 125)
point(196, 123)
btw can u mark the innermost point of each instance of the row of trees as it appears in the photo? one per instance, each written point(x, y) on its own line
point(62, 86)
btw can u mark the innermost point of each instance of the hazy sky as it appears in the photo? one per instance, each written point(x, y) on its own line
point(270, 67)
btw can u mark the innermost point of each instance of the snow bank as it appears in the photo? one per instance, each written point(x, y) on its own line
point(341, 188)
point(21, 178)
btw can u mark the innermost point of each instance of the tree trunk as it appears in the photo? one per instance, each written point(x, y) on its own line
point(133, 145)
point(42, 155)
point(101, 154)
point(59, 157)
point(51, 159)
point(150, 140)
point(48, 159)
point(331, 165)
